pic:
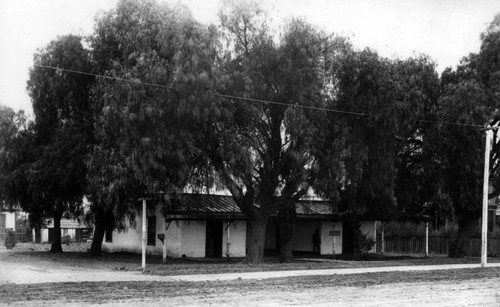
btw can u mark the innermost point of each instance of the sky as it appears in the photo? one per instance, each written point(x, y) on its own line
point(445, 30)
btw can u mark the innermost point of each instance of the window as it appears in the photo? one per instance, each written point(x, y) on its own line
point(152, 230)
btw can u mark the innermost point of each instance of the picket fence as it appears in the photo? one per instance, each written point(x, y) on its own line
point(437, 245)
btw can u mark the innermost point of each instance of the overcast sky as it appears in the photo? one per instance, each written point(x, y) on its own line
point(446, 30)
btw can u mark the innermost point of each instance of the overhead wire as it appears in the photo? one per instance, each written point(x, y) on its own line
point(250, 99)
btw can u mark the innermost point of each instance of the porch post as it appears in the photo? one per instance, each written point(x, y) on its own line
point(228, 244)
point(144, 233)
point(426, 239)
point(382, 237)
point(333, 241)
point(164, 242)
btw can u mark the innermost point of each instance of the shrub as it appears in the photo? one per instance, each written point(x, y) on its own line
point(365, 243)
point(10, 239)
point(66, 240)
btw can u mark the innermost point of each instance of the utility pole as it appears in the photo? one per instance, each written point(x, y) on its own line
point(144, 233)
point(426, 239)
point(484, 224)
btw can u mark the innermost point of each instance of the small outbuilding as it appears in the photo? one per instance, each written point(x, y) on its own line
point(75, 230)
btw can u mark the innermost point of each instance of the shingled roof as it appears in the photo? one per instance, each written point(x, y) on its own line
point(224, 204)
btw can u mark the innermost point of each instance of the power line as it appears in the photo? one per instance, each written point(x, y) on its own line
point(250, 99)
point(106, 77)
point(298, 106)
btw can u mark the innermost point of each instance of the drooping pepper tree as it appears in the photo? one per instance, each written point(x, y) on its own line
point(157, 61)
point(62, 130)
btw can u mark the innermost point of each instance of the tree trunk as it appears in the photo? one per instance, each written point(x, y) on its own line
point(286, 222)
point(101, 220)
point(255, 239)
point(459, 245)
point(99, 231)
point(56, 244)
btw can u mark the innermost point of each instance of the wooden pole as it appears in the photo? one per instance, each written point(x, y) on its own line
point(333, 241)
point(426, 239)
point(164, 243)
point(382, 237)
point(144, 233)
point(228, 244)
point(484, 226)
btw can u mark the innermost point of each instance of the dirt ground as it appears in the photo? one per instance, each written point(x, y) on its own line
point(465, 287)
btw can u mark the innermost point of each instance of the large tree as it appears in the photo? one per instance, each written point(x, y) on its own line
point(267, 149)
point(62, 130)
point(12, 128)
point(157, 61)
point(382, 101)
point(469, 100)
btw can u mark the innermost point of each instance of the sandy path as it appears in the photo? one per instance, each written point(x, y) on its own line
point(26, 274)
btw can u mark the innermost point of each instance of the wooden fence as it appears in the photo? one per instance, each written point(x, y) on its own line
point(22, 235)
point(437, 245)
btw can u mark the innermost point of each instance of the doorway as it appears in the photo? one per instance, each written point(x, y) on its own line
point(213, 247)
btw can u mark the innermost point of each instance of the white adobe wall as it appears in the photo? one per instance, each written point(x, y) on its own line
point(10, 220)
point(130, 239)
point(182, 238)
point(127, 240)
point(370, 228)
point(331, 244)
point(45, 234)
point(237, 239)
point(193, 238)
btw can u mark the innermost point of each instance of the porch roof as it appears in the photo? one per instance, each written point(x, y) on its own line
point(225, 204)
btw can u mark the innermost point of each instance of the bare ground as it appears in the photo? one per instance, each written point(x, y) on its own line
point(465, 287)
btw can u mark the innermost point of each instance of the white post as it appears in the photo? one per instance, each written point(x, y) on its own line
point(333, 242)
point(484, 226)
point(144, 233)
point(382, 237)
point(426, 239)
point(164, 243)
point(227, 240)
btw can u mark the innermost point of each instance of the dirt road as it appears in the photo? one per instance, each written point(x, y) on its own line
point(469, 293)
point(43, 283)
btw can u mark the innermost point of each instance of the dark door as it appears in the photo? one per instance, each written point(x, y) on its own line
point(347, 237)
point(51, 235)
point(213, 247)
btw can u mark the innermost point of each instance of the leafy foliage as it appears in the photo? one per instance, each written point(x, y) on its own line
point(10, 239)
point(143, 127)
point(268, 151)
point(55, 173)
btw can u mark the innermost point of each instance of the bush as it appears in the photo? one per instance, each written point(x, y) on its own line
point(365, 243)
point(66, 240)
point(10, 239)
